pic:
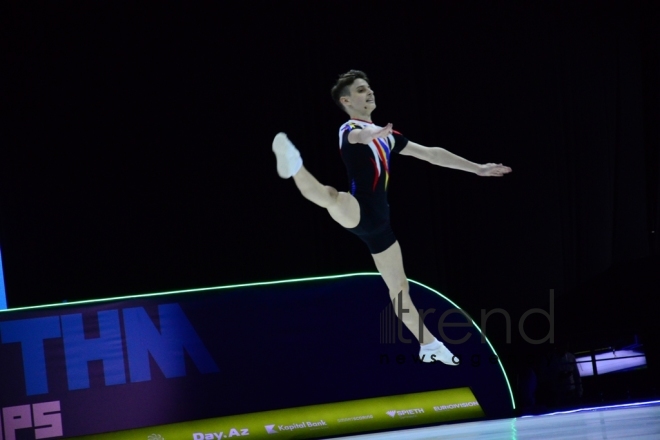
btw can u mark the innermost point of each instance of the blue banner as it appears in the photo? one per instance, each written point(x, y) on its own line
point(96, 367)
point(3, 293)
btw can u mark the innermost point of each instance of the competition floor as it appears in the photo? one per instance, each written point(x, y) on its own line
point(640, 421)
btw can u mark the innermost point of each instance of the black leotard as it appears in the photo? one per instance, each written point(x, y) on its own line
point(368, 168)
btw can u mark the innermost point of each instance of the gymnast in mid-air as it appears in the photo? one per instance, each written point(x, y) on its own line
point(367, 150)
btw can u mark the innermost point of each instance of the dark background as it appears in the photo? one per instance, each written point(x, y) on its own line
point(136, 152)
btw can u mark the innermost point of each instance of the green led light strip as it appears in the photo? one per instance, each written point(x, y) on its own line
point(201, 289)
point(270, 283)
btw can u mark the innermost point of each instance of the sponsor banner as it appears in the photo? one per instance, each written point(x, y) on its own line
point(324, 420)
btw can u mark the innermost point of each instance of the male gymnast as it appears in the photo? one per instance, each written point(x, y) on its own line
point(366, 150)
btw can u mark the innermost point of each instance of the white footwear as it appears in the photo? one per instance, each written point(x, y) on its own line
point(288, 156)
point(436, 351)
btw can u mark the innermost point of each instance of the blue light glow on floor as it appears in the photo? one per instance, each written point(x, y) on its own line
point(600, 408)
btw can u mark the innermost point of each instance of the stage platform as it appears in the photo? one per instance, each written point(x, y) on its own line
point(635, 421)
point(306, 358)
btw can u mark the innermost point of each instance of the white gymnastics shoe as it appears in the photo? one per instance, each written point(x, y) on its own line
point(436, 351)
point(288, 156)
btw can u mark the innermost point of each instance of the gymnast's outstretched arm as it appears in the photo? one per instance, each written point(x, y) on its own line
point(441, 157)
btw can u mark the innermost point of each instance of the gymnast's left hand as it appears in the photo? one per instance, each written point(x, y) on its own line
point(493, 170)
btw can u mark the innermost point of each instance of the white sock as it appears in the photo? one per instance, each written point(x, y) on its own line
point(431, 346)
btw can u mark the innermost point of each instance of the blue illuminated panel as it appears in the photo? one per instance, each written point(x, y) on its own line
point(3, 297)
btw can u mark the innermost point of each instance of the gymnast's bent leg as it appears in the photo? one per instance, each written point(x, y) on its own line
point(341, 206)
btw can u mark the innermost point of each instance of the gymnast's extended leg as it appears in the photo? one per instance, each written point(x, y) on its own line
point(390, 265)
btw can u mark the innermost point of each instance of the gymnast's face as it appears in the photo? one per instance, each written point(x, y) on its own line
point(361, 100)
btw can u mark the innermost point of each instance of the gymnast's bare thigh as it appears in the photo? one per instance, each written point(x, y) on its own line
point(346, 210)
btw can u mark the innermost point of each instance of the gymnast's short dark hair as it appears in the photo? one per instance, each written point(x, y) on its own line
point(343, 83)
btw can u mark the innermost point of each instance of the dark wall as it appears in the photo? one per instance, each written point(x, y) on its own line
point(136, 157)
